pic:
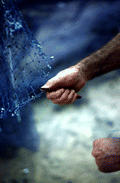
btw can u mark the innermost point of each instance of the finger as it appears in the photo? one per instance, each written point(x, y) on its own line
point(55, 94)
point(70, 96)
point(54, 82)
point(62, 99)
point(50, 83)
point(73, 99)
point(70, 101)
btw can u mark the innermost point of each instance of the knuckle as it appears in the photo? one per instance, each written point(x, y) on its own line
point(73, 91)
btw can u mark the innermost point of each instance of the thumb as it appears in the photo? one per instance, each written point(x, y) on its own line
point(52, 83)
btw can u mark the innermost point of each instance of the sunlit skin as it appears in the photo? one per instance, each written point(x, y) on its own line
point(68, 82)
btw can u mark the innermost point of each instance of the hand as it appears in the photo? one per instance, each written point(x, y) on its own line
point(65, 86)
point(106, 152)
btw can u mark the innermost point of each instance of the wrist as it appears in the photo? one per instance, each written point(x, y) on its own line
point(94, 65)
point(85, 67)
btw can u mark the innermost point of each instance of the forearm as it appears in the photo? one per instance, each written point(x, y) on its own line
point(102, 61)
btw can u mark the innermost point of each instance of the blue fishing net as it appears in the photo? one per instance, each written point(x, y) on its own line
point(23, 65)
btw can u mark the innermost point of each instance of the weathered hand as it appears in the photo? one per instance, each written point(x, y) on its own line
point(65, 86)
point(106, 152)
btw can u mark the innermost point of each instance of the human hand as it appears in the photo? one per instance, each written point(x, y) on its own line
point(106, 152)
point(65, 85)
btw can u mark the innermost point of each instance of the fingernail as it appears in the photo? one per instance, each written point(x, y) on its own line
point(44, 86)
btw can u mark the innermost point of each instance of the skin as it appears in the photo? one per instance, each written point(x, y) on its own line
point(65, 84)
point(106, 152)
point(68, 82)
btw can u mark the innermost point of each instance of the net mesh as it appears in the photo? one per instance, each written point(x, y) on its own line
point(23, 65)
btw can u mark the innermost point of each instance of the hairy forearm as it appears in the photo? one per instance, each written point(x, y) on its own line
point(102, 61)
